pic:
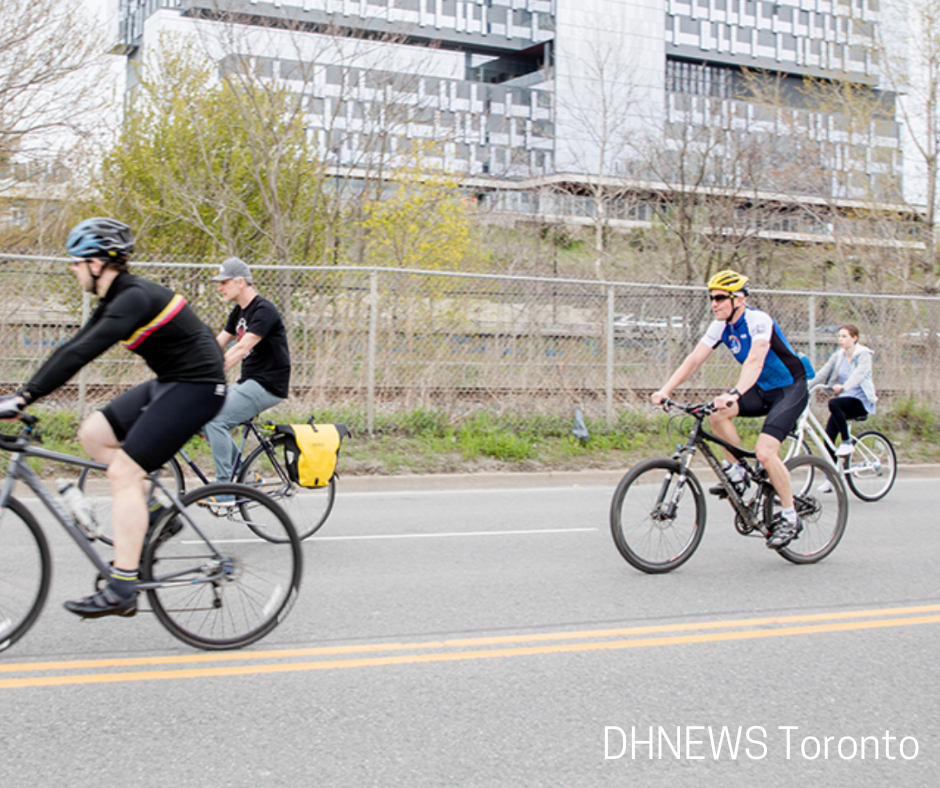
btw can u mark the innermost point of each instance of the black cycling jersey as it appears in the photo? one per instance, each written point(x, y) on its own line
point(149, 320)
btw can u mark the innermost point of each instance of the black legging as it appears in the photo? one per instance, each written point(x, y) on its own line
point(840, 410)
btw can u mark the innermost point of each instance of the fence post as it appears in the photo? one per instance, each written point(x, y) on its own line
point(370, 358)
point(83, 373)
point(609, 393)
point(812, 330)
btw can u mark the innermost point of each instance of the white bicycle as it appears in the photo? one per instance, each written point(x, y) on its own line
point(869, 471)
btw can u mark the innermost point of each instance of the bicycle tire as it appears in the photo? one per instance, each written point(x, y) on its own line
point(873, 466)
point(823, 515)
point(646, 538)
point(102, 506)
point(25, 571)
point(256, 581)
point(307, 507)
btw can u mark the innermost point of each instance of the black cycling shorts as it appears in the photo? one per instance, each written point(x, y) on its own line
point(783, 407)
point(154, 420)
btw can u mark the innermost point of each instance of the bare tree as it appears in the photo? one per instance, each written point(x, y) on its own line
point(597, 122)
point(50, 56)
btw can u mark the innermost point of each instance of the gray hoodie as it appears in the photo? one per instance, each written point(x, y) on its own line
point(861, 375)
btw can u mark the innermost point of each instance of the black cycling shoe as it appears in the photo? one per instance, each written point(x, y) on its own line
point(782, 532)
point(172, 528)
point(103, 603)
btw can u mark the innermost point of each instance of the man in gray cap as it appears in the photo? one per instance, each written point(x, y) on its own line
point(254, 336)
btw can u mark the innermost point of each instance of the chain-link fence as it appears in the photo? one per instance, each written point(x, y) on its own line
point(385, 339)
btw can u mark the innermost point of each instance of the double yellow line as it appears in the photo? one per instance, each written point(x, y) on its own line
point(246, 663)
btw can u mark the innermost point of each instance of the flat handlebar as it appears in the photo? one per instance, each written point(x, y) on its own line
point(700, 410)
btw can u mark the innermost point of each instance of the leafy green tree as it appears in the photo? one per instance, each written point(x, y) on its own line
point(421, 222)
point(210, 164)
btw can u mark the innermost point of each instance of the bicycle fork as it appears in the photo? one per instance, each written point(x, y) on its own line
point(666, 509)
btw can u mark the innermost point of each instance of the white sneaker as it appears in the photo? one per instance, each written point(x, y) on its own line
point(845, 449)
point(825, 487)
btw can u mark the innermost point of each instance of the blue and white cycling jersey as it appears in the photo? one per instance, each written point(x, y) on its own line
point(782, 366)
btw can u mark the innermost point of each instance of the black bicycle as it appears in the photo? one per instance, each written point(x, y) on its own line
point(264, 469)
point(657, 516)
point(209, 579)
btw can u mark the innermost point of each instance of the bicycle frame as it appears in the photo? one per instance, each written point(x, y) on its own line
point(808, 423)
point(250, 428)
point(699, 439)
point(20, 470)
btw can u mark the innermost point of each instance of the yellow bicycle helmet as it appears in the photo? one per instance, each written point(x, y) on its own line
point(730, 281)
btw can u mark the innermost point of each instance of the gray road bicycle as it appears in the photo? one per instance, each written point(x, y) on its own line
point(657, 515)
point(210, 579)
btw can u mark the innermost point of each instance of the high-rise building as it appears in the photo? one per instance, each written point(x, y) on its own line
point(523, 89)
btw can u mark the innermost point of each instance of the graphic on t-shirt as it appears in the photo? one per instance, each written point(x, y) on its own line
point(240, 329)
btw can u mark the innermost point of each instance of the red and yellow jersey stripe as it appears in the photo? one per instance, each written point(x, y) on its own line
point(168, 312)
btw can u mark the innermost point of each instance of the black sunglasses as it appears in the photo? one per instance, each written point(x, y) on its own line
point(719, 298)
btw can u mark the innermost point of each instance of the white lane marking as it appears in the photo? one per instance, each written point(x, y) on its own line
point(412, 536)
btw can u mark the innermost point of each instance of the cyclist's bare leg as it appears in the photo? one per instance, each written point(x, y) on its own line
point(128, 511)
point(767, 454)
point(723, 426)
point(100, 443)
point(98, 439)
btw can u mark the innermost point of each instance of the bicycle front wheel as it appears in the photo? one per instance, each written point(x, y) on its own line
point(221, 586)
point(823, 514)
point(308, 508)
point(25, 571)
point(657, 516)
point(873, 466)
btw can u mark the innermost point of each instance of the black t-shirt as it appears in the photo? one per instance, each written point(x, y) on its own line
point(149, 320)
point(268, 362)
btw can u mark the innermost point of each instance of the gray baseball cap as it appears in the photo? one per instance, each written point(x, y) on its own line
point(233, 268)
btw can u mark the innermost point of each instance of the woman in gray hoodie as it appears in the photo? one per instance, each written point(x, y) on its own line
point(849, 373)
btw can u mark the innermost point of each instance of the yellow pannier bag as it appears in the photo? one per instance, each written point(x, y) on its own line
point(311, 451)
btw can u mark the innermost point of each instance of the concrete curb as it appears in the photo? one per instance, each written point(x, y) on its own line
point(510, 480)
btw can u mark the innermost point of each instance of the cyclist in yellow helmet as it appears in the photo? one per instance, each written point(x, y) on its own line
point(771, 383)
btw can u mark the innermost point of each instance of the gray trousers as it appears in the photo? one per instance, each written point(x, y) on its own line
point(243, 401)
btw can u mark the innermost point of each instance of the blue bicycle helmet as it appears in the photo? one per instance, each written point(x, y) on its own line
point(107, 239)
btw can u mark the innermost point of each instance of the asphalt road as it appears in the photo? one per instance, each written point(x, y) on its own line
point(494, 637)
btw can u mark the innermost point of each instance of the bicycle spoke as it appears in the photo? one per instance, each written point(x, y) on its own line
point(258, 579)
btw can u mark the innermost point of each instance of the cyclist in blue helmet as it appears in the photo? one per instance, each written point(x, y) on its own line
point(141, 429)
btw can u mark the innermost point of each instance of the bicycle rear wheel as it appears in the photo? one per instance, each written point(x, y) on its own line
point(233, 589)
point(823, 514)
point(308, 508)
point(97, 490)
point(873, 466)
point(25, 571)
point(656, 521)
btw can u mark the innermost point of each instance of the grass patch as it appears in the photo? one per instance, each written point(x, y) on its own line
point(427, 440)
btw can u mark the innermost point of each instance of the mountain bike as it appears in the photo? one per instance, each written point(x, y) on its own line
point(869, 471)
point(657, 515)
point(263, 468)
point(209, 581)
